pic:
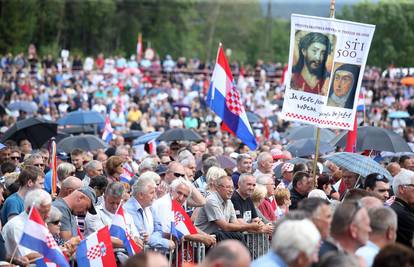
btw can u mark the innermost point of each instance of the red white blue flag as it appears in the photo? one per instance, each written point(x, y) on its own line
point(119, 230)
point(96, 250)
point(43, 262)
point(107, 133)
point(37, 237)
point(182, 224)
point(224, 99)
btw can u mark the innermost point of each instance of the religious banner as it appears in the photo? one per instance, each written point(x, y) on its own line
point(326, 65)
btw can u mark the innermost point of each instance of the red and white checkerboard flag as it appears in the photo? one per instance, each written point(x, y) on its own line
point(224, 99)
point(96, 250)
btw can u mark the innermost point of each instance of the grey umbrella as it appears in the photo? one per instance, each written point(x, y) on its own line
point(308, 131)
point(356, 163)
point(85, 142)
point(26, 106)
point(306, 147)
point(375, 138)
point(179, 134)
point(278, 169)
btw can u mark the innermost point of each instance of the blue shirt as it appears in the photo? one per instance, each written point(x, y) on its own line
point(271, 259)
point(13, 205)
point(368, 252)
point(48, 182)
point(156, 240)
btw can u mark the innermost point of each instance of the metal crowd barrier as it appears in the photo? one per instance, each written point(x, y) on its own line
point(194, 252)
point(188, 252)
point(258, 244)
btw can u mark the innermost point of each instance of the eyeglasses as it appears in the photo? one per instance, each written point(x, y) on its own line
point(178, 175)
point(55, 222)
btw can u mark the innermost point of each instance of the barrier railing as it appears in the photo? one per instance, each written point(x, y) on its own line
point(194, 252)
point(188, 252)
point(258, 244)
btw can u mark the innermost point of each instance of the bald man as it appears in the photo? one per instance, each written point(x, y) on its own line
point(69, 185)
point(394, 168)
point(228, 253)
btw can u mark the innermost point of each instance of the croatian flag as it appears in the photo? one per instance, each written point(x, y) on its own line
point(127, 175)
point(108, 130)
point(224, 99)
point(43, 262)
point(182, 224)
point(361, 102)
point(37, 237)
point(96, 250)
point(119, 230)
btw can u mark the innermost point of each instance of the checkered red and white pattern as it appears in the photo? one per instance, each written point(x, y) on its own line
point(50, 241)
point(94, 252)
point(233, 101)
point(316, 120)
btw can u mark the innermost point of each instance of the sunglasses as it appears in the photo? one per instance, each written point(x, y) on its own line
point(178, 175)
point(15, 158)
point(40, 165)
point(55, 222)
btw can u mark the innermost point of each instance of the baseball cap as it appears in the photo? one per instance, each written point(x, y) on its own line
point(87, 191)
point(62, 155)
point(287, 167)
point(276, 153)
point(161, 169)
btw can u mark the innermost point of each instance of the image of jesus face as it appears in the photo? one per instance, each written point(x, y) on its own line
point(315, 57)
point(343, 81)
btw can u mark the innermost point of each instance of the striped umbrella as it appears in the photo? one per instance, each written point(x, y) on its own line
point(356, 163)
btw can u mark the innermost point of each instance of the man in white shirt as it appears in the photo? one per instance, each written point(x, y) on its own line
point(105, 212)
point(180, 190)
point(13, 229)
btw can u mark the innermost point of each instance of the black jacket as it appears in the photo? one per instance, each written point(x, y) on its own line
point(405, 214)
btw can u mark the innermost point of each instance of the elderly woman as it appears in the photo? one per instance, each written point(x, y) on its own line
point(53, 224)
point(114, 168)
point(258, 196)
point(212, 175)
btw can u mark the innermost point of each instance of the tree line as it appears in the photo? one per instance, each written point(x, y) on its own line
point(186, 28)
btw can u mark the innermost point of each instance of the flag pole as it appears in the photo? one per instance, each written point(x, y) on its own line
point(171, 253)
point(318, 130)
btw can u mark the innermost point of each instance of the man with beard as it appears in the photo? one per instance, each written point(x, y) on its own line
point(309, 73)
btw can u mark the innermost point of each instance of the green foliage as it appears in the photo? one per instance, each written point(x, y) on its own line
point(192, 28)
point(394, 33)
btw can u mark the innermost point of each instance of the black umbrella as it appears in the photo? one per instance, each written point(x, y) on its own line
point(133, 134)
point(308, 131)
point(85, 142)
point(375, 138)
point(179, 134)
point(37, 131)
point(306, 147)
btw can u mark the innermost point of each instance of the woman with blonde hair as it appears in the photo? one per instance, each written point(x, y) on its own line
point(212, 175)
point(257, 197)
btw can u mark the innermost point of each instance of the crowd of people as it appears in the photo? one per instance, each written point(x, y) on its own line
point(337, 218)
